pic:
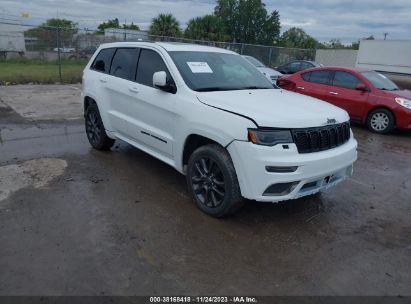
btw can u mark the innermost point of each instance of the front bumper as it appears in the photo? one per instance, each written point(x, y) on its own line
point(314, 172)
point(403, 118)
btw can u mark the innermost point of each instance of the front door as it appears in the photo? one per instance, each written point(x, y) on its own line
point(152, 110)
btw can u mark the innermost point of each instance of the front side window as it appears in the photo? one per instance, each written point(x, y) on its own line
point(321, 77)
point(345, 80)
point(149, 63)
point(124, 63)
point(214, 71)
point(103, 60)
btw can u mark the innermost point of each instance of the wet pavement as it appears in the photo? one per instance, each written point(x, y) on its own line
point(76, 221)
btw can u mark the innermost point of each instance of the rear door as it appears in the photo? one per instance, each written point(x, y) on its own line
point(120, 86)
point(315, 84)
point(343, 94)
point(98, 83)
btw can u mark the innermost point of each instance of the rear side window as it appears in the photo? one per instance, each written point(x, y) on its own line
point(294, 66)
point(124, 63)
point(103, 60)
point(345, 80)
point(306, 76)
point(322, 77)
point(305, 65)
point(149, 63)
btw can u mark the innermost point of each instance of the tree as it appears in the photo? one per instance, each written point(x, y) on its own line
point(165, 25)
point(114, 23)
point(297, 38)
point(247, 21)
point(335, 44)
point(356, 44)
point(208, 27)
point(54, 31)
point(131, 26)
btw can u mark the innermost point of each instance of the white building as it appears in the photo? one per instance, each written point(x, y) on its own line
point(12, 38)
point(391, 56)
point(125, 34)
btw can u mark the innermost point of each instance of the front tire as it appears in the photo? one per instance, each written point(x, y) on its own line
point(212, 181)
point(96, 133)
point(381, 121)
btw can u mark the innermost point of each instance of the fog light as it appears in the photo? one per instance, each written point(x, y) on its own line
point(280, 189)
point(273, 169)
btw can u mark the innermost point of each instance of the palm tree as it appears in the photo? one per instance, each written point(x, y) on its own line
point(165, 25)
point(208, 27)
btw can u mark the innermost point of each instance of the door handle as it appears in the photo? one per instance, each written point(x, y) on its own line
point(301, 88)
point(333, 93)
point(103, 79)
point(133, 89)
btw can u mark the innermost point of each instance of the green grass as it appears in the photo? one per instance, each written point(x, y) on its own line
point(21, 71)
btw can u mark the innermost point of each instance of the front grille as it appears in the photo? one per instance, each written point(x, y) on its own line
point(322, 138)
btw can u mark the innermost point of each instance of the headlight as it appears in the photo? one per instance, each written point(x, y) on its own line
point(269, 137)
point(403, 102)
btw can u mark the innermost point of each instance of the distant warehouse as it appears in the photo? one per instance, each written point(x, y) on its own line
point(391, 56)
point(125, 34)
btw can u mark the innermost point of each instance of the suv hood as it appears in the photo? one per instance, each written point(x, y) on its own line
point(275, 108)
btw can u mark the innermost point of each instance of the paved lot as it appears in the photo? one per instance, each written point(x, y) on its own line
point(74, 221)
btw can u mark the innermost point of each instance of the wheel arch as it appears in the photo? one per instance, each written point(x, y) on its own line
point(87, 101)
point(194, 141)
point(376, 107)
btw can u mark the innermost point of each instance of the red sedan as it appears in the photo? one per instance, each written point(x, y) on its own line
point(369, 97)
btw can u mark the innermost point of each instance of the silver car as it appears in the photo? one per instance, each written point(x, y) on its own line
point(271, 74)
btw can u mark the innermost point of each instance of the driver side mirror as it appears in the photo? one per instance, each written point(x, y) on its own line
point(160, 82)
point(361, 87)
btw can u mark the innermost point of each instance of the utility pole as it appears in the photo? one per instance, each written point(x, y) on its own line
point(59, 52)
point(125, 29)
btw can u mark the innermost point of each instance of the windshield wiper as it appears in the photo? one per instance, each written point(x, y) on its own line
point(385, 89)
point(211, 89)
point(253, 88)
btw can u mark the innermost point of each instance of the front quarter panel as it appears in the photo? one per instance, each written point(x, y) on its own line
point(200, 119)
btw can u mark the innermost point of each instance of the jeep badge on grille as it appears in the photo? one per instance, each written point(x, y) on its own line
point(331, 121)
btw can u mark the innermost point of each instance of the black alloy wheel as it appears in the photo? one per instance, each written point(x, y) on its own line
point(208, 182)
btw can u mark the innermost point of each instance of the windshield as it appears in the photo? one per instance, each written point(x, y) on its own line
point(255, 62)
point(380, 81)
point(209, 71)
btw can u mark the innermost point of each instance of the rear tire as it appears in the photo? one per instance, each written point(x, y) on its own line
point(212, 181)
point(381, 121)
point(95, 130)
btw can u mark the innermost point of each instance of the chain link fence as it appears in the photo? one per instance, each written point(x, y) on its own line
point(58, 54)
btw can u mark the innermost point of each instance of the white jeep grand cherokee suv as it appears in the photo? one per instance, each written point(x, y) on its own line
point(214, 117)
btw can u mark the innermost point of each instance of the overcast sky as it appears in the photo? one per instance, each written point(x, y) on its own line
point(347, 20)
